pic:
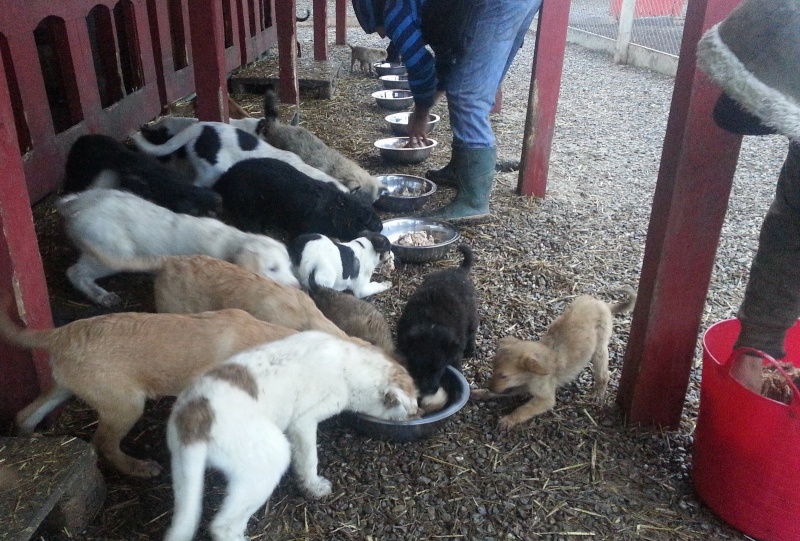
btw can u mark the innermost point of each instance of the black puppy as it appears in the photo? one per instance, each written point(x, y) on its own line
point(261, 193)
point(99, 161)
point(438, 325)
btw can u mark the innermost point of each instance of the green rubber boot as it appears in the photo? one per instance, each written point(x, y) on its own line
point(474, 169)
point(446, 176)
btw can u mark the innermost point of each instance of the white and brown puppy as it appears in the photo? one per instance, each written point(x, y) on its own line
point(192, 284)
point(234, 417)
point(214, 147)
point(123, 226)
point(116, 362)
point(365, 56)
point(579, 335)
point(315, 152)
point(343, 266)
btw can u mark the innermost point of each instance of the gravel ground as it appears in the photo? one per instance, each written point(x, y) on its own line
point(576, 472)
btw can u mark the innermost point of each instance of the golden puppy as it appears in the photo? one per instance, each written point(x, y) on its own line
point(115, 362)
point(537, 368)
point(191, 284)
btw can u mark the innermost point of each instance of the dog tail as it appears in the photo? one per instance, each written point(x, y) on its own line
point(20, 336)
point(180, 139)
point(188, 475)
point(469, 258)
point(313, 286)
point(625, 306)
point(271, 110)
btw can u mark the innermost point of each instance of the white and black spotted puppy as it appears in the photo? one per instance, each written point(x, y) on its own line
point(342, 266)
point(214, 147)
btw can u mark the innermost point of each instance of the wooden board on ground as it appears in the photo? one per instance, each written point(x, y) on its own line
point(312, 76)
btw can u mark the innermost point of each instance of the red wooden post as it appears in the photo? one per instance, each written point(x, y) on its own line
point(21, 275)
point(548, 62)
point(341, 22)
point(287, 53)
point(694, 181)
point(320, 30)
point(208, 56)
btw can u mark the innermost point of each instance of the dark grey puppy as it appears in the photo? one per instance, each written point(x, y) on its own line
point(99, 161)
point(438, 325)
point(354, 316)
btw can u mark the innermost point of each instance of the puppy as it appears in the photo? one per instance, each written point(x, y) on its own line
point(192, 284)
point(99, 161)
point(235, 416)
point(123, 226)
point(537, 368)
point(438, 324)
point(352, 315)
point(115, 362)
point(343, 266)
point(265, 193)
point(365, 56)
point(213, 147)
point(315, 152)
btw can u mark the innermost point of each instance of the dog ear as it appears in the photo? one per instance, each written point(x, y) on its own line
point(391, 398)
point(532, 364)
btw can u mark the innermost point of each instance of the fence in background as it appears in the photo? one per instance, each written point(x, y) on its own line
point(645, 33)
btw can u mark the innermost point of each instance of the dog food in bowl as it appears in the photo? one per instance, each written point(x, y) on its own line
point(398, 123)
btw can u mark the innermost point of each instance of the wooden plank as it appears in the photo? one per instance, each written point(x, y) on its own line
point(341, 22)
point(208, 54)
point(548, 61)
point(320, 30)
point(694, 181)
point(287, 51)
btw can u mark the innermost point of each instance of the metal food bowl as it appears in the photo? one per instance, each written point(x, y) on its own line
point(389, 68)
point(445, 236)
point(394, 100)
point(395, 82)
point(394, 149)
point(394, 199)
point(457, 389)
point(398, 122)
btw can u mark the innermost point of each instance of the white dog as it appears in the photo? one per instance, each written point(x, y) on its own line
point(123, 226)
point(342, 265)
point(234, 417)
point(214, 147)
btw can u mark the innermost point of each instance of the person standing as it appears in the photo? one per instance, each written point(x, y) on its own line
point(474, 43)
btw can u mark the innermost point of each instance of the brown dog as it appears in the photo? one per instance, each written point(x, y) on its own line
point(117, 361)
point(577, 336)
point(191, 284)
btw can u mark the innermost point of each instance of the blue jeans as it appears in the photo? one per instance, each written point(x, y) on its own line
point(493, 34)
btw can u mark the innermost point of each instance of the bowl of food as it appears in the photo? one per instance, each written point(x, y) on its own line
point(404, 193)
point(398, 123)
point(389, 68)
point(420, 240)
point(455, 385)
point(394, 100)
point(395, 82)
point(396, 150)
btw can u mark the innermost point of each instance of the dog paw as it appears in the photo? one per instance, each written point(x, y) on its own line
point(145, 469)
point(109, 299)
point(506, 423)
point(318, 487)
point(480, 394)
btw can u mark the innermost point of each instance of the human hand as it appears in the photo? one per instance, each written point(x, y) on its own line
point(417, 128)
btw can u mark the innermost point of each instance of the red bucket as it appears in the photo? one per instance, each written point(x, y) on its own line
point(746, 461)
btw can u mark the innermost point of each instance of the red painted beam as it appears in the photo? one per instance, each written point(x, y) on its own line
point(320, 30)
point(341, 22)
point(287, 53)
point(548, 62)
point(208, 55)
point(21, 275)
point(694, 181)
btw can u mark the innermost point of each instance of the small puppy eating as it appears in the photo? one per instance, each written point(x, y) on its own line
point(579, 335)
point(365, 56)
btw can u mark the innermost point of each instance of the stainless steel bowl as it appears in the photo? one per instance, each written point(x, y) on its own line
point(394, 149)
point(395, 82)
point(389, 68)
point(398, 122)
point(393, 200)
point(394, 100)
point(445, 235)
point(457, 389)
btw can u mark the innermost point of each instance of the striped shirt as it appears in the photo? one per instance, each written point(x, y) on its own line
point(404, 27)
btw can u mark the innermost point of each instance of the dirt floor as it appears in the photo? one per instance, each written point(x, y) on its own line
point(577, 472)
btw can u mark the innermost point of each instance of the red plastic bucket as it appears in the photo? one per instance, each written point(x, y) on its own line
point(746, 460)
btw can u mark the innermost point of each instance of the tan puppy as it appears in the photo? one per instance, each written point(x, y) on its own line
point(537, 368)
point(365, 56)
point(115, 362)
point(191, 284)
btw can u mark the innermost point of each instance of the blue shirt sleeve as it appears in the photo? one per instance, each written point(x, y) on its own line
point(403, 27)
